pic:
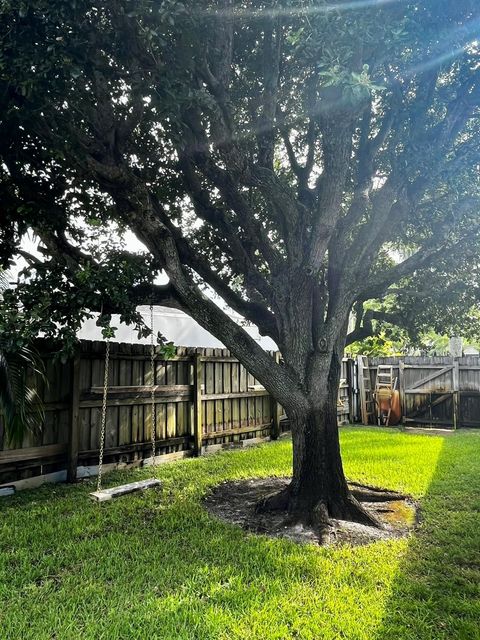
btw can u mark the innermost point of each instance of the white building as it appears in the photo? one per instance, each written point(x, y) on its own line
point(175, 325)
point(470, 351)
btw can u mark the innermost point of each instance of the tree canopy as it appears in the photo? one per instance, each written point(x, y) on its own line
point(299, 158)
point(269, 142)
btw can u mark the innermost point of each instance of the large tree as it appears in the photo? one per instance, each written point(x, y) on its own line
point(285, 155)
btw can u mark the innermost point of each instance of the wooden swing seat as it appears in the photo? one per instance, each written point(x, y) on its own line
point(116, 492)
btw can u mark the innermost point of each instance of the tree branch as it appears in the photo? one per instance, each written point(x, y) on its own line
point(275, 377)
point(365, 329)
point(253, 311)
point(424, 257)
point(272, 47)
point(337, 145)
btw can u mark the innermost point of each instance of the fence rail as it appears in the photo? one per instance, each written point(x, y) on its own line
point(204, 399)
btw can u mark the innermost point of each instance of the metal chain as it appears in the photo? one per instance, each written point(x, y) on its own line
point(104, 415)
point(152, 392)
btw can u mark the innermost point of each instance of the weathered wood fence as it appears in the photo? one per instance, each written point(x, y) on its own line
point(204, 399)
point(436, 391)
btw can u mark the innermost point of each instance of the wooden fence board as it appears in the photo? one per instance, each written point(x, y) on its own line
point(434, 390)
point(111, 431)
point(230, 403)
point(85, 382)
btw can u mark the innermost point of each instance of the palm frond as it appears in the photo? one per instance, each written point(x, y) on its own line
point(3, 280)
point(20, 404)
point(21, 408)
point(7, 398)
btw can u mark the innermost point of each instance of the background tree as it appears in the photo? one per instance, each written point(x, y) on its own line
point(284, 154)
point(423, 313)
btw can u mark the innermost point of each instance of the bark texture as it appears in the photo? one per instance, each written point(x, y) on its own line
point(318, 491)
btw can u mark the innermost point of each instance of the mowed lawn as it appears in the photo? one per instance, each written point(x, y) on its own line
point(156, 565)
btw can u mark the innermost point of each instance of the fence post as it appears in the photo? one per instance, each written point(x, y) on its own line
point(73, 434)
point(401, 389)
point(455, 394)
point(197, 403)
point(276, 410)
point(351, 389)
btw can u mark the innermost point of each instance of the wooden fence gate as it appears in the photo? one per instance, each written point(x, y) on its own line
point(429, 393)
point(436, 391)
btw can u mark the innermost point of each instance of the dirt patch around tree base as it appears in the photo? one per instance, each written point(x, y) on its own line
point(235, 501)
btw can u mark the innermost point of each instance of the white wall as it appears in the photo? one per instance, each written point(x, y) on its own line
point(175, 325)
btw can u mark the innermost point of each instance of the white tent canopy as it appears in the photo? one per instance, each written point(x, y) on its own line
point(175, 325)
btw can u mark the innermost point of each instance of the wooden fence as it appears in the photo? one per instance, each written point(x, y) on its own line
point(436, 391)
point(204, 399)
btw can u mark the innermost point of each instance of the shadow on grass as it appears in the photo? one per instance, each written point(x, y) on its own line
point(156, 565)
point(436, 592)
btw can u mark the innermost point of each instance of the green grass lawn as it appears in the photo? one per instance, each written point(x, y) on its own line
point(156, 565)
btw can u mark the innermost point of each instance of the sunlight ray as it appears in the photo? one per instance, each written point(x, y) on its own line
point(285, 12)
point(452, 46)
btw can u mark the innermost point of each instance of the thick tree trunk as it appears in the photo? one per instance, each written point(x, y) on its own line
point(318, 491)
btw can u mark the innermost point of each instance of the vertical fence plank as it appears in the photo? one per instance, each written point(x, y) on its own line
point(147, 380)
point(190, 380)
point(218, 388)
point(171, 378)
point(209, 388)
point(243, 401)
point(64, 415)
point(125, 379)
point(236, 401)
point(182, 378)
point(161, 409)
point(97, 366)
point(197, 404)
point(455, 393)
point(48, 433)
point(401, 388)
point(85, 383)
point(111, 432)
point(73, 437)
point(171, 420)
point(258, 411)
point(136, 428)
point(227, 388)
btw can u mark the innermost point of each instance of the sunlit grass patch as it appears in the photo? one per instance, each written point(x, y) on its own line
point(156, 565)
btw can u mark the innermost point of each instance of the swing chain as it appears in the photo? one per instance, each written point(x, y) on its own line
point(152, 392)
point(104, 415)
point(105, 397)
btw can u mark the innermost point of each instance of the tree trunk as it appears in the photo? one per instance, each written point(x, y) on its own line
point(318, 491)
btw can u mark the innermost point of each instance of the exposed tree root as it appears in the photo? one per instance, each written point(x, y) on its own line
point(354, 511)
point(320, 515)
point(322, 523)
point(277, 501)
point(365, 493)
point(269, 506)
